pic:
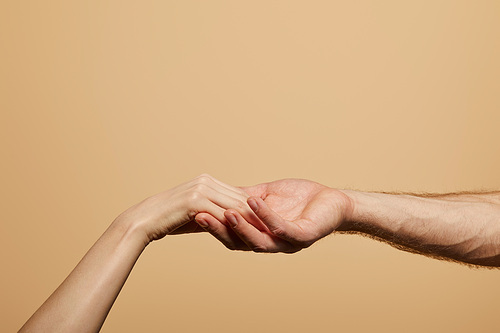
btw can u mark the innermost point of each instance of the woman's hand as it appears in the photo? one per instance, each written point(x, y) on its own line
point(174, 210)
point(83, 300)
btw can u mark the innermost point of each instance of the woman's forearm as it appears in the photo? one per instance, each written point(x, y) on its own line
point(463, 227)
point(82, 302)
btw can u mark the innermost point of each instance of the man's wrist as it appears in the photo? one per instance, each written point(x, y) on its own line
point(345, 200)
point(363, 211)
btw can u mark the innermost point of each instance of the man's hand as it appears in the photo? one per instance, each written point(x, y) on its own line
point(292, 215)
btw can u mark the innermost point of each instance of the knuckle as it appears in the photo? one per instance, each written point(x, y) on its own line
point(305, 241)
point(264, 215)
point(204, 178)
point(240, 206)
point(191, 213)
point(259, 248)
point(194, 197)
point(199, 188)
point(231, 246)
point(292, 250)
point(278, 231)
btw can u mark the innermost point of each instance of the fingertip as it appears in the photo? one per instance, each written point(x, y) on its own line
point(231, 217)
point(231, 212)
point(253, 203)
point(205, 220)
point(201, 220)
point(201, 216)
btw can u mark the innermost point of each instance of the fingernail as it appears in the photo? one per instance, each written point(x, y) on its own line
point(202, 223)
point(253, 204)
point(232, 220)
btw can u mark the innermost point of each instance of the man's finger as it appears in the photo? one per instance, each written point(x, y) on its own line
point(222, 233)
point(255, 239)
point(279, 227)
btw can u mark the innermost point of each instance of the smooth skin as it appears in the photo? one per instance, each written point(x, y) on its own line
point(463, 227)
point(82, 302)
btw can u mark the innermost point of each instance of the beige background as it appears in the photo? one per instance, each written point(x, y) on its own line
point(105, 103)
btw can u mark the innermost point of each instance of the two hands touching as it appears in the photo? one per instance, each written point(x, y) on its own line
point(286, 216)
point(291, 214)
point(281, 216)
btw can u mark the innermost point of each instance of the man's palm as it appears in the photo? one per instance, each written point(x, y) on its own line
point(309, 210)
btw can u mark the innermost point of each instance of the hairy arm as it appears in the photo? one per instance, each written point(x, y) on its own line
point(463, 227)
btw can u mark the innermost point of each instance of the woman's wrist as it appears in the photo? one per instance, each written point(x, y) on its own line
point(131, 230)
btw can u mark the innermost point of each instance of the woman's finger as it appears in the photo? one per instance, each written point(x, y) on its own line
point(216, 184)
point(221, 199)
point(225, 235)
point(255, 239)
point(234, 189)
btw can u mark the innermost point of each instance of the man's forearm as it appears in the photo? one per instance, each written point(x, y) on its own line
point(463, 227)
